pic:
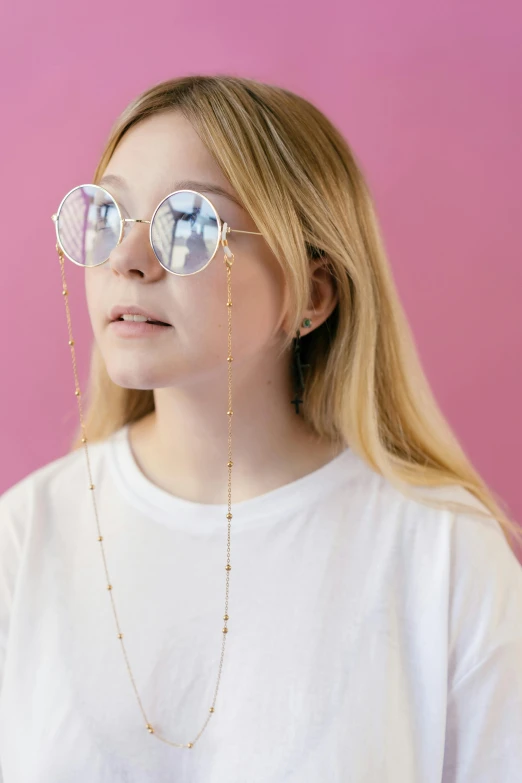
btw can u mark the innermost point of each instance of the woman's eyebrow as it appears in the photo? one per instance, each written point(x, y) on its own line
point(185, 184)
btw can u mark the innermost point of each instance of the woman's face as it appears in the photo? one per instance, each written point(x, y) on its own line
point(151, 159)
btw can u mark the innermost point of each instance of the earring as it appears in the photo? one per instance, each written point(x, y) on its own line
point(298, 367)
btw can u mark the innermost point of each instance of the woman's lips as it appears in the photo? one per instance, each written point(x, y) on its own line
point(137, 328)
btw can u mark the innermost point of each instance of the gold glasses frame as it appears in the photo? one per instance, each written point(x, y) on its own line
point(223, 228)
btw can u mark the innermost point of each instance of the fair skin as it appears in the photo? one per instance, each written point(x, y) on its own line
point(183, 445)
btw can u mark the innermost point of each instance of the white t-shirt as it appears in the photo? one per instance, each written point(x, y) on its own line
point(372, 639)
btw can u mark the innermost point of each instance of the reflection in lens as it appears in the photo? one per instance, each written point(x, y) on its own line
point(185, 232)
point(88, 225)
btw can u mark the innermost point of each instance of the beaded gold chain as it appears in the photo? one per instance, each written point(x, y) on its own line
point(229, 259)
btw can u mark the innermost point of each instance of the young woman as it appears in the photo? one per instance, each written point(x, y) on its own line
point(266, 557)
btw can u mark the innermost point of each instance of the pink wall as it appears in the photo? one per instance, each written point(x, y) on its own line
point(428, 94)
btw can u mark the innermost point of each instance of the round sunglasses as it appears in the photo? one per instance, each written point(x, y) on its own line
point(185, 230)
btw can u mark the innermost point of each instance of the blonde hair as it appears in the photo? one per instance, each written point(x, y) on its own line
point(299, 180)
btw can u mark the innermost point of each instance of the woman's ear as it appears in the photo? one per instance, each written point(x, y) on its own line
point(324, 296)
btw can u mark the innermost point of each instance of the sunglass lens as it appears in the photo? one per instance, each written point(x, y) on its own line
point(88, 225)
point(185, 232)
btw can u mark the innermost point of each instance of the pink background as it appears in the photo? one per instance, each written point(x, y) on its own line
point(427, 94)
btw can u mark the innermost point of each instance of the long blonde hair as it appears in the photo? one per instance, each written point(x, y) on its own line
point(299, 180)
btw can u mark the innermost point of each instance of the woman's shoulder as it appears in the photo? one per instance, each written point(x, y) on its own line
point(37, 488)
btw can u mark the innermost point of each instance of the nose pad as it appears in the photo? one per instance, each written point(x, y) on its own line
point(127, 228)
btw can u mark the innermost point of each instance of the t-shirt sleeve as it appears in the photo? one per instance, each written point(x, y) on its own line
point(9, 558)
point(484, 708)
point(12, 505)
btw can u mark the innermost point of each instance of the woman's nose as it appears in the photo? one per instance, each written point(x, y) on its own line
point(134, 252)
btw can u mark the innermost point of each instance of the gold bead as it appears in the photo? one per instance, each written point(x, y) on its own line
point(229, 304)
point(189, 744)
point(229, 516)
point(225, 630)
point(120, 636)
point(211, 709)
point(229, 413)
point(225, 617)
point(100, 538)
point(230, 359)
point(71, 342)
point(77, 392)
point(109, 587)
point(229, 464)
point(91, 486)
point(65, 292)
point(228, 567)
point(84, 440)
point(150, 729)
